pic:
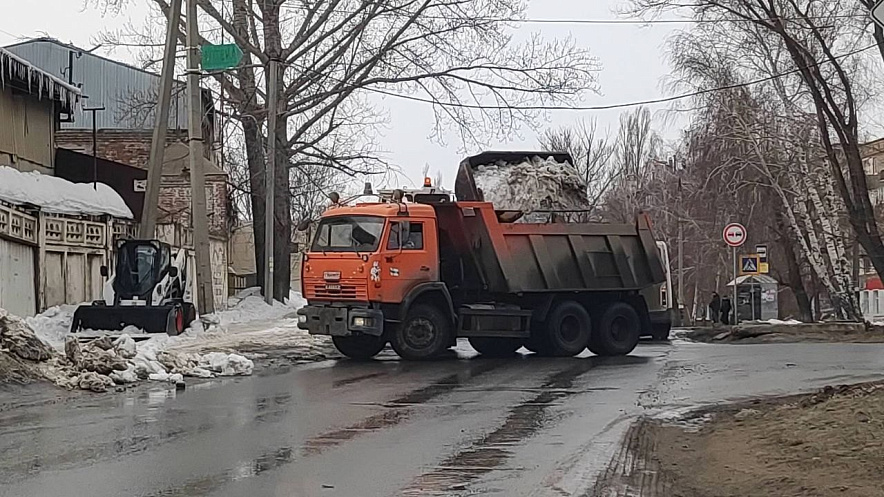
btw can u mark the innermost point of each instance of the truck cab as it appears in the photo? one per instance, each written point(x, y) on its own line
point(364, 260)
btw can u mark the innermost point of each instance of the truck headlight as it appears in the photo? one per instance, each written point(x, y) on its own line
point(302, 318)
point(361, 321)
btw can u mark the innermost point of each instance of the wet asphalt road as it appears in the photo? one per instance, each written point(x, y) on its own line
point(463, 426)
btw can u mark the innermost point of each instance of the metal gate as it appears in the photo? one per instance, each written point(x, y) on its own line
point(18, 253)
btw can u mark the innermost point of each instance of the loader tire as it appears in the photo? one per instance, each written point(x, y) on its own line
point(617, 332)
point(175, 321)
point(496, 347)
point(189, 314)
point(359, 347)
point(424, 334)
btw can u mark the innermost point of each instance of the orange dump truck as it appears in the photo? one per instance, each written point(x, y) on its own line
point(420, 269)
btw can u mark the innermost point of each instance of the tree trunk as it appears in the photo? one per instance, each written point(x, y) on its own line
point(282, 237)
point(793, 272)
point(255, 159)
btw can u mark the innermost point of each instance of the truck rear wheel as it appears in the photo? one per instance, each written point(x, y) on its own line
point(617, 332)
point(496, 347)
point(359, 347)
point(424, 334)
point(568, 329)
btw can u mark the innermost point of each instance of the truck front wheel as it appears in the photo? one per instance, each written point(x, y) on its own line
point(359, 347)
point(617, 332)
point(424, 334)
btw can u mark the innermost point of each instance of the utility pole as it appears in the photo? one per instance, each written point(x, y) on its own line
point(269, 179)
point(198, 215)
point(93, 110)
point(680, 301)
point(147, 229)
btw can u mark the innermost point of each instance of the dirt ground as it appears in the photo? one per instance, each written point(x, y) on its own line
point(788, 333)
point(821, 445)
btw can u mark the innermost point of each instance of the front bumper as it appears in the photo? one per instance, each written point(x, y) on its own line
point(340, 321)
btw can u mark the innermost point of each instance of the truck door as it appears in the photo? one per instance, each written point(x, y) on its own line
point(411, 257)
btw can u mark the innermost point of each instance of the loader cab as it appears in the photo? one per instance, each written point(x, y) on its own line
point(140, 266)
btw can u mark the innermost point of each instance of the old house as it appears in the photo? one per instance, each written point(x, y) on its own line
point(122, 138)
point(54, 234)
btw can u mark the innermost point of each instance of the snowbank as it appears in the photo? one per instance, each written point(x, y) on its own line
point(60, 196)
point(535, 184)
point(199, 352)
point(53, 324)
point(253, 308)
point(779, 321)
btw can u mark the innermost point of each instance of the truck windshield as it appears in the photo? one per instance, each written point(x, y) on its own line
point(348, 234)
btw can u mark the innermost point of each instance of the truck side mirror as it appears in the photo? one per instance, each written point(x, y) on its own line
point(103, 271)
point(173, 272)
point(303, 225)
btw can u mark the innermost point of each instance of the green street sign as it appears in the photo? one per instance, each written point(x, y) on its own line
point(220, 57)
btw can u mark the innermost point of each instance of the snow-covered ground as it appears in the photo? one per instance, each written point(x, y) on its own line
point(215, 346)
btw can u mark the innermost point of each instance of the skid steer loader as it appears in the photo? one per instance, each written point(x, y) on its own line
point(149, 289)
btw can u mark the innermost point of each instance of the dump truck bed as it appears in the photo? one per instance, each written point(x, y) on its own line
point(521, 258)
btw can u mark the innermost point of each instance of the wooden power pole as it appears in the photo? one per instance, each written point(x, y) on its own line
point(147, 230)
point(198, 215)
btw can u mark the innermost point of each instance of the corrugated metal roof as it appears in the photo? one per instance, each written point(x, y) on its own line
point(126, 92)
point(14, 68)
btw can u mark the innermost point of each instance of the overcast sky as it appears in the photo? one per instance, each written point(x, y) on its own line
point(632, 59)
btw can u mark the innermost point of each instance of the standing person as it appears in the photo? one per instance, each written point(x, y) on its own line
point(714, 308)
point(726, 310)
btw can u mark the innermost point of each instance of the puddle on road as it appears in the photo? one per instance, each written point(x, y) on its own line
point(490, 452)
point(357, 379)
point(399, 409)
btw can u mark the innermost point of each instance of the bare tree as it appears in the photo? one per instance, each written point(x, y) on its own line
point(592, 153)
point(822, 53)
point(457, 56)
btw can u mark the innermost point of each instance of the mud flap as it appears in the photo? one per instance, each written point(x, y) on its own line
point(99, 317)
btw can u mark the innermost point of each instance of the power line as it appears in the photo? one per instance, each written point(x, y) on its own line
point(17, 37)
point(641, 22)
point(610, 106)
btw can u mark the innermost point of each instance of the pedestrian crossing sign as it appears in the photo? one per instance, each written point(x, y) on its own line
point(749, 264)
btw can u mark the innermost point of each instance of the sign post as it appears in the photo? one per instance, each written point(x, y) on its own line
point(749, 264)
point(763, 265)
point(734, 235)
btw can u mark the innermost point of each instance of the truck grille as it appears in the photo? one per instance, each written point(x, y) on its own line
point(318, 289)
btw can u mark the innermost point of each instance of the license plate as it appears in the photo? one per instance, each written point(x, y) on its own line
point(332, 287)
point(331, 275)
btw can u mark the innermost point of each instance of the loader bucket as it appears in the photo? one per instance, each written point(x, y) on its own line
point(170, 319)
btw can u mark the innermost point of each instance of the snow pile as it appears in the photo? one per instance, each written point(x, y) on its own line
point(778, 321)
point(253, 308)
point(53, 324)
point(203, 351)
point(534, 184)
point(60, 196)
point(248, 306)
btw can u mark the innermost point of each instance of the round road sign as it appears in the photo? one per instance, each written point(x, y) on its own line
point(734, 234)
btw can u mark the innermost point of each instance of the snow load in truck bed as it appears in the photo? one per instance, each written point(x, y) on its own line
point(533, 184)
point(60, 196)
